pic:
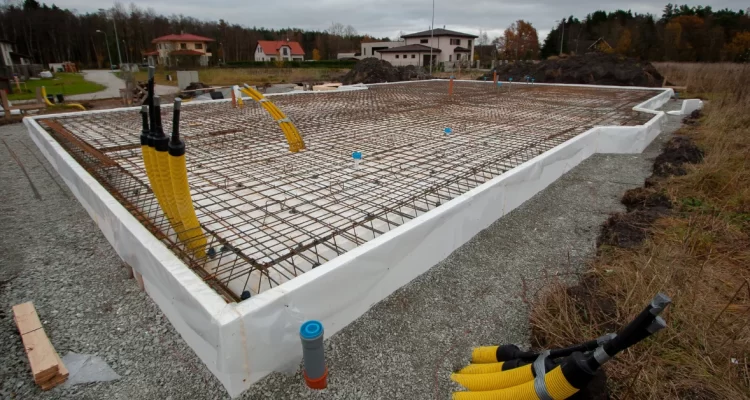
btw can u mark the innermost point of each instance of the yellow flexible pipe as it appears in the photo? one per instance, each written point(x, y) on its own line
point(495, 380)
point(287, 127)
point(193, 236)
point(484, 354)
point(46, 101)
point(557, 386)
point(482, 368)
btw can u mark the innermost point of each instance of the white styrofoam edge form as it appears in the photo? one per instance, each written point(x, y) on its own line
point(341, 290)
point(688, 106)
point(260, 335)
point(193, 308)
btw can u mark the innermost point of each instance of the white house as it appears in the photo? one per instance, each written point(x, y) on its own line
point(273, 50)
point(369, 49)
point(10, 57)
point(448, 47)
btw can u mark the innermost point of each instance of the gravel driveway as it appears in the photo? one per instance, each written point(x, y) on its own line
point(405, 347)
point(113, 84)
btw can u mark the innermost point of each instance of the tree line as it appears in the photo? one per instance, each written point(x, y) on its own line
point(683, 33)
point(52, 34)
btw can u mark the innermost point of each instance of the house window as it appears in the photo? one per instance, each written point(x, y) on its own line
point(469, 43)
point(404, 55)
point(286, 51)
point(199, 46)
point(423, 41)
point(183, 46)
point(413, 56)
point(450, 57)
point(457, 42)
point(396, 55)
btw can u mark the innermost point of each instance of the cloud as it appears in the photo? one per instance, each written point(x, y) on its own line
point(381, 18)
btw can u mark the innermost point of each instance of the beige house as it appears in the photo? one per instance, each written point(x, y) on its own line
point(184, 49)
point(448, 47)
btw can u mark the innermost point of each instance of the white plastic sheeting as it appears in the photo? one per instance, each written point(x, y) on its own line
point(241, 343)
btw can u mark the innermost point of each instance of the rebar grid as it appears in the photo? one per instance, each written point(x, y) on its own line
point(270, 215)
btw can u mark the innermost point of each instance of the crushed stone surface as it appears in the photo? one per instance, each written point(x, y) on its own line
point(406, 346)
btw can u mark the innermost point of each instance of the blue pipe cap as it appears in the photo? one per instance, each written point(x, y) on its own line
point(448, 131)
point(311, 329)
point(357, 155)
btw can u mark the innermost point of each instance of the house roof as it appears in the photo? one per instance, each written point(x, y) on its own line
point(273, 46)
point(186, 53)
point(412, 48)
point(183, 37)
point(460, 49)
point(438, 32)
point(151, 53)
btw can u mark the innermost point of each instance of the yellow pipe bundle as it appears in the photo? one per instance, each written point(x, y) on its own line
point(290, 131)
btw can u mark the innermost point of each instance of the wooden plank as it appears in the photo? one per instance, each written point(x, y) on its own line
point(61, 376)
point(139, 280)
point(26, 318)
point(41, 354)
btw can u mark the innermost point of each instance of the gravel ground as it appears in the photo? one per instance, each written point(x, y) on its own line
point(51, 253)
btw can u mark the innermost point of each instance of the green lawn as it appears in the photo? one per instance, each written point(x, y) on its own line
point(67, 83)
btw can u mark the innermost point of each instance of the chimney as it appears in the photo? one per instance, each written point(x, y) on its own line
point(443, 26)
point(182, 32)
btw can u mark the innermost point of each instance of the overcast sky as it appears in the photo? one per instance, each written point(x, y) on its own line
point(387, 17)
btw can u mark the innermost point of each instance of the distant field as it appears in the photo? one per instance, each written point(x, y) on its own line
point(251, 76)
point(64, 82)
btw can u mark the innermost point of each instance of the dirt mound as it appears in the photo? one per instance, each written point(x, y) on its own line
point(372, 70)
point(590, 68)
point(678, 151)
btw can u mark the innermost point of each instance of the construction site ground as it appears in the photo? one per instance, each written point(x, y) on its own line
point(53, 254)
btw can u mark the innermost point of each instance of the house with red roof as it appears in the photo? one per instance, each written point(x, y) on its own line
point(184, 49)
point(278, 50)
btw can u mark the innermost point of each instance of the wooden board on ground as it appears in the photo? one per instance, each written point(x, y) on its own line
point(46, 367)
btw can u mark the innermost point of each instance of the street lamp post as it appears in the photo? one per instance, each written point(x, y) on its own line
point(106, 41)
point(119, 56)
point(127, 52)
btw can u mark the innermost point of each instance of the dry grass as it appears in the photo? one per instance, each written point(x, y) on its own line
point(251, 76)
point(699, 255)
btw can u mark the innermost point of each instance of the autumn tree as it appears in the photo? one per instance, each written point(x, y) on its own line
point(316, 55)
point(623, 44)
point(519, 41)
point(739, 48)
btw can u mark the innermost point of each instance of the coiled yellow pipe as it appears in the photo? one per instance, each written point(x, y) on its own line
point(557, 386)
point(496, 380)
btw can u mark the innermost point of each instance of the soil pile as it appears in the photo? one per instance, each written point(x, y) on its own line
point(590, 68)
point(372, 70)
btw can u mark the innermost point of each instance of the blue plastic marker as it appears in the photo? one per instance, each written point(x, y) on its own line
point(357, 156)
point(313, 354)
point(448, 131)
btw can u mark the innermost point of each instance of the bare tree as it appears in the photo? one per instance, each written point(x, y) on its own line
point(349, 32)
point(336, 28)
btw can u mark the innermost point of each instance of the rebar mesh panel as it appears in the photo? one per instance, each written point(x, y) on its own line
point(271, 215)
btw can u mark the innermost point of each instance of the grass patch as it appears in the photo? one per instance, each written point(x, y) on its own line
point(67, 83)
point(699, 254)
point(251, 76)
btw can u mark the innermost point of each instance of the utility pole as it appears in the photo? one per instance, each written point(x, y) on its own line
point(106, 41)
point(432, 34)
point(562, 36)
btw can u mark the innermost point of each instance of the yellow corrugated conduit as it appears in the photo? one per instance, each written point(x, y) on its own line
point(494, 380)
point(290, 131)
point(193, 236)
point(161, 180)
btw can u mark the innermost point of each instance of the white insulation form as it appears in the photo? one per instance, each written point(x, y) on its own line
point(243, 342)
